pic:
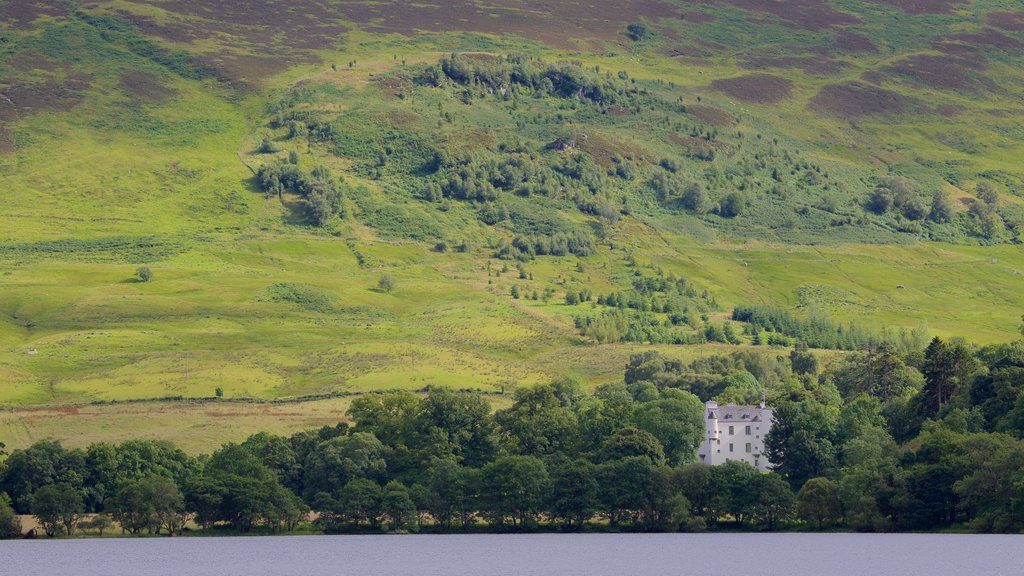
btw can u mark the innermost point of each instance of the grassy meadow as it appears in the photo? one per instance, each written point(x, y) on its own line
point(142, 144)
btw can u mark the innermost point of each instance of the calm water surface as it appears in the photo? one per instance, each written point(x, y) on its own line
point(528, 555)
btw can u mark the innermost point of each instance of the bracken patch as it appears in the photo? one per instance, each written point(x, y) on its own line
point(711, 115)
point(756, 88)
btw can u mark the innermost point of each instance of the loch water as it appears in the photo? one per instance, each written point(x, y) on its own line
point(524, 555)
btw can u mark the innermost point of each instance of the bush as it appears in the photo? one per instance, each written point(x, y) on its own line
point(386, 283)
point(144, 274)
point(10, 525)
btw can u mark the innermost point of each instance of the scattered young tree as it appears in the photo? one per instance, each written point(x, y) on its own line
point(100, 523)
point(144, 274)
point(386, 283)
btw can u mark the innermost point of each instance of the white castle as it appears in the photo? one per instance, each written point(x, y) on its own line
point(735, 433)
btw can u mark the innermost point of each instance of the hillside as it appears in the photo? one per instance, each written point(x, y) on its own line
point(834, 161)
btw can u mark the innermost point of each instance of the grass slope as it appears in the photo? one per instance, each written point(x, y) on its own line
point(127, 145)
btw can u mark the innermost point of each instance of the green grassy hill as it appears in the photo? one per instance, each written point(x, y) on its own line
point(271, 162)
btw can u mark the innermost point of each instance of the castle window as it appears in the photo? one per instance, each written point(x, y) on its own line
point(748, 431)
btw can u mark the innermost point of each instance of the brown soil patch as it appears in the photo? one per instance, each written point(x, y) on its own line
point(1012, 21)
point(711, 115)
point(145, 86)
point(392, 85)
point(943, 72)
point(922, 6)
point(604, 150)
point(401, 118)
point(806, 14)
point(617, 110)
point(819, 65)
point(854, 100)
point(949, 110)
point(756, 88)
point(853, 42)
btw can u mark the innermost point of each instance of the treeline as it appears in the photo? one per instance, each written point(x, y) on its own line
point(320, 189)
point(561, 80)
point(877, 440)
point(773, 325)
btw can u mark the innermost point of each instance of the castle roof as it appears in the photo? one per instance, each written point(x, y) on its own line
point(734, 413)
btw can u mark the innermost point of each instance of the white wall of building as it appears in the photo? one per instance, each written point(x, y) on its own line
point(735, 433)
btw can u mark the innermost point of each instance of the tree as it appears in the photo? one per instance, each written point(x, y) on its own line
point(637, 31)
point(461, 423)
point(986, 192)
point(627, 489)
point(386, 283)
point(360, 501)
point(340, 460)
point(677, 422)
point(881, 200)
point(818, 502)
point(144, 274)
point(133, 507)
point(43, 463)
point(803, 360)
point(513, 489)
point(57, 507)
point(574, 492)
point(397, 506)
point(799, 444)
point(735, 490)
point(100, 523)
point(10, 524)
point(774, 501)
point(941, 210)
point(695, 199)
point(537, 424)
point(695, 483)
point(732, 205)
point(948, 366)
point(446, 494)
point(267, 146)
point(632, 442)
